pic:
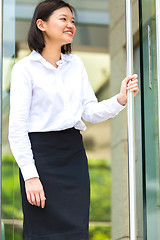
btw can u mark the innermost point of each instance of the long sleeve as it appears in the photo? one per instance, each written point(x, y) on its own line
point(94, 111)
point(20, 100)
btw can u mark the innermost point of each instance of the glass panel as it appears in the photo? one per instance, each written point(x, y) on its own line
point(7, 159)
point(150, 100)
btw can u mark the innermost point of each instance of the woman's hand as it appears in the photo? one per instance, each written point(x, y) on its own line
point(35, 192)
point(132, 86)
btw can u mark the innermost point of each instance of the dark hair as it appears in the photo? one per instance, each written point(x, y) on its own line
point(43, 11)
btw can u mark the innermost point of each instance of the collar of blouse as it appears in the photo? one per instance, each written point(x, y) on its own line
point(36, 56)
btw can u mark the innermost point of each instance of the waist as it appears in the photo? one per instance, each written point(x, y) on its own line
point(41, 125)
point(67, 136)
point(63, 131)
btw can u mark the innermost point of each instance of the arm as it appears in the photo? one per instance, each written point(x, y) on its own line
point(94, 111)
point(20, 100)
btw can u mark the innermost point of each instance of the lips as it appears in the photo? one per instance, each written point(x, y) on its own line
point(69, 32)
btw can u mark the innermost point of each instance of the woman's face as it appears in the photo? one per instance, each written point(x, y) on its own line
point(59, 28)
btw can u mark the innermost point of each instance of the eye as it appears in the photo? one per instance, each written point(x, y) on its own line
point(63, 19)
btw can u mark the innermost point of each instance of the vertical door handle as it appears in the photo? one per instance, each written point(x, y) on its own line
point(157, 6)
point(150, 57)
point(130, 122)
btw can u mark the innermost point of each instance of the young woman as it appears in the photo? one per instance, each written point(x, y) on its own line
point(50, 93)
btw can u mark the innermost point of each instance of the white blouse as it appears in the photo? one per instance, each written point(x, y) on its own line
point(45, 98)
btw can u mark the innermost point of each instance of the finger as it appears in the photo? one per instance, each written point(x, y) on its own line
point(33, 198)
point(134, 76)
point(43, 198)
point(134, 90)
point(132, 86)
point(127, 79)
point(133, 82)
point(37, 197)
point(29, 198)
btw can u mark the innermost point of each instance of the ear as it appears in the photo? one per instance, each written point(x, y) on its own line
point(41, 25)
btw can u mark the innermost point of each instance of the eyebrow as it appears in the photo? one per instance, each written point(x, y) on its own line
point(66, 15)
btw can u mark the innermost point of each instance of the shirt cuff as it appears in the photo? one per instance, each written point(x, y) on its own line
point(29, 171)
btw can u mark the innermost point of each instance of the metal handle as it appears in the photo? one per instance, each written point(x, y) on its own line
point(149, 55)
point(157, 6)
point(130, 119)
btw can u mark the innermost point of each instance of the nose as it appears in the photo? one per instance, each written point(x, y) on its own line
point(70, 25)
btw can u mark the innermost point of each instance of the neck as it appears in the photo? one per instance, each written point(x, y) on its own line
point(51, 53)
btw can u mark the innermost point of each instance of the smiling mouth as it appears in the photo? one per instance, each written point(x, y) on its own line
point(69, 33)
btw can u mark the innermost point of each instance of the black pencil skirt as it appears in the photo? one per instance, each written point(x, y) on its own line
point(62, 164)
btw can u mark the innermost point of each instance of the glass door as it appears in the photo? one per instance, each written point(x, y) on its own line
point(7, 163)
point(149, 99)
